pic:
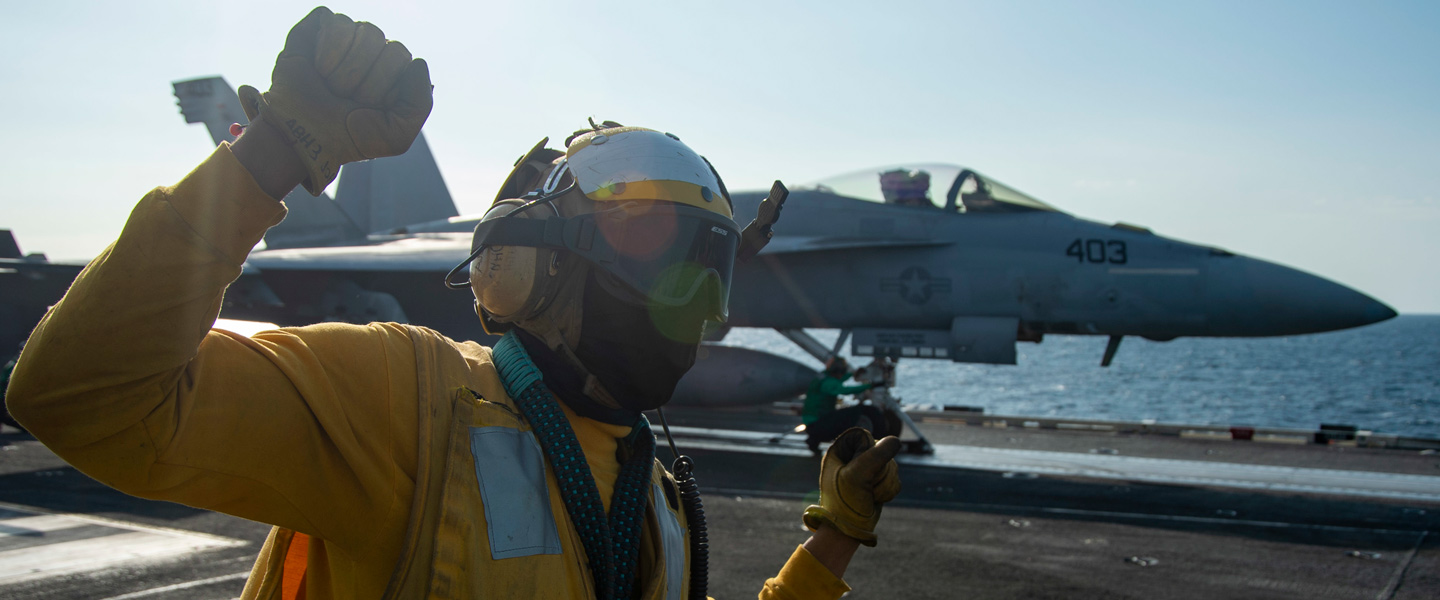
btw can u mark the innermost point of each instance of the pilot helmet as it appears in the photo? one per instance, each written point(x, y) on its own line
point(899, 186)
point(649, 216)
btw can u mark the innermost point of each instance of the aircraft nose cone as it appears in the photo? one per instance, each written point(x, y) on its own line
point(1378, 311)
point(1294, 301)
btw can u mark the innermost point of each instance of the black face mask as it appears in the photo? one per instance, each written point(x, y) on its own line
point(633, 349)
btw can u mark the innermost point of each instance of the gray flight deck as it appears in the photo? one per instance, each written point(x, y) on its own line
point(1010, 512)
point(1106, 464)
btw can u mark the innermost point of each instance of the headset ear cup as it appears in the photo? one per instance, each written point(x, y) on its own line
point(509, 281)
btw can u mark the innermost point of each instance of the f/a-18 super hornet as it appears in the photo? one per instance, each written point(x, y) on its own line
point(940, 261)
point(913, 261)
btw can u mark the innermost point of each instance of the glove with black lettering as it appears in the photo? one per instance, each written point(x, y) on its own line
point(341, 93)
point(857, 476)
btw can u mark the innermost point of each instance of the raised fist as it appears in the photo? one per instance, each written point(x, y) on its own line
point(857, 476)
point(341, 93)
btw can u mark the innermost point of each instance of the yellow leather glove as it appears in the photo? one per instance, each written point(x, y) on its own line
point(342, 93)
point(857, 475)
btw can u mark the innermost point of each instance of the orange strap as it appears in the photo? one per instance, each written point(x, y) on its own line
point(292, 579)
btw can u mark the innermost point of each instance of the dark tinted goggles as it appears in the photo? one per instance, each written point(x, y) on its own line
point(671, 254)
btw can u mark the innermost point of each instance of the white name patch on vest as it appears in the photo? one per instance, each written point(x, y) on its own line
point(510, 468)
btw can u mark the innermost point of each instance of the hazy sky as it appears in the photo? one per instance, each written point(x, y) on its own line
point(1306, 133)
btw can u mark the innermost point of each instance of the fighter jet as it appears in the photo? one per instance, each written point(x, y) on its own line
point(926, 261)
point(939, 261)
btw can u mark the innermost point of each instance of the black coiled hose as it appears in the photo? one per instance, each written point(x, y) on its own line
point(684, 470)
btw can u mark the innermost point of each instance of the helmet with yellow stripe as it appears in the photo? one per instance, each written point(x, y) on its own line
point(637, 205)
point(639, 164)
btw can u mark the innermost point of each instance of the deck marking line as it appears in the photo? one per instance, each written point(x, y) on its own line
point(1399, 575)
point(92, 554)
point(95, 520)
point(38, 524)
point(117, 543)
point(179, 586)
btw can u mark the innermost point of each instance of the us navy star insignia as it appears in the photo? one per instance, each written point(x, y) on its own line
point(915, 285)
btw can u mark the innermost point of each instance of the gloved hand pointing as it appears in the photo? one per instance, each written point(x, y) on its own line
point(857, 475)
point(341, 93)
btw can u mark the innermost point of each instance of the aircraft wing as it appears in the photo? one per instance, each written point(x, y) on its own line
point(439, 252)
point(794, 244)
point(435, 254)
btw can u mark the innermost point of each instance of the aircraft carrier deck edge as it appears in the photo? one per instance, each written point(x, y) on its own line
point(997, 512)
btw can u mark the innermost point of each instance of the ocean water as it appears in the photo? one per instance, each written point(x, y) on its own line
point(1384, 377)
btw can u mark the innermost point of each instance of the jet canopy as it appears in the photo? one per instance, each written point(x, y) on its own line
point(951, 188)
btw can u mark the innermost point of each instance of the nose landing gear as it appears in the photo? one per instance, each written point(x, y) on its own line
point(881, 372)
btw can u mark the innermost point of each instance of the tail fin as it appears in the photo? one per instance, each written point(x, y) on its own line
point(210, 100)
point(9, 248)
point(372, 196)
point(386, 193)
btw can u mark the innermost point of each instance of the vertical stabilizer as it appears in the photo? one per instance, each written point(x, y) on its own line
point(210, 100)
point(386, 193)
point(9, 248)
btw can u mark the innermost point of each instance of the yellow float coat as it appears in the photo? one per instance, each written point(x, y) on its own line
point(340, 432)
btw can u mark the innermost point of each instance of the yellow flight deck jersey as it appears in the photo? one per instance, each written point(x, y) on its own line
point(368, 447)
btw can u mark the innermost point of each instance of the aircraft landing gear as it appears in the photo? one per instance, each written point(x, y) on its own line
point(880, 371)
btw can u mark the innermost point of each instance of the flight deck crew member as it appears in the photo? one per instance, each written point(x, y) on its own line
point(393, 461)
point(823, 422)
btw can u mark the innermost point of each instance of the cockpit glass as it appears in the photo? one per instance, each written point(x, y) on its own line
point(1007, 194)
point(867, 184)
point(930, 185)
